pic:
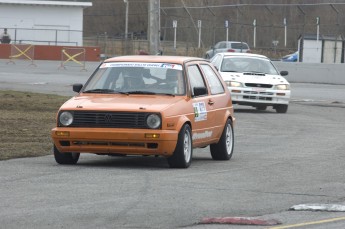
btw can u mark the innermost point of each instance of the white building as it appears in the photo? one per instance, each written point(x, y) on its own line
point(322, 49)
point(43, 22)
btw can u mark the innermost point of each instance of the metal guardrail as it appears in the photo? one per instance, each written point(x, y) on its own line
point(46, 36)
point(47, 42)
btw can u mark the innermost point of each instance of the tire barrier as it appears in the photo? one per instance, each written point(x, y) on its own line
point(22, 52)
point(73, 57)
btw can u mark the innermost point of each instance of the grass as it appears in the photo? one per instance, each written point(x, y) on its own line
point(25, 123)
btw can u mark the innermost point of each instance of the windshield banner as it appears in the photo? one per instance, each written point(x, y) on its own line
point(142, 65)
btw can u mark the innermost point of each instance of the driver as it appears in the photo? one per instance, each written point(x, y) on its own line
point(133, 78)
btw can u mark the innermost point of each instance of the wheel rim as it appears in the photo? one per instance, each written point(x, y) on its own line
point(187, 148)
point(75, 156)
point(229, 138)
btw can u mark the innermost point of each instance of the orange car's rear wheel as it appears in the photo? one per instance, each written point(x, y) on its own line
point(224, 149)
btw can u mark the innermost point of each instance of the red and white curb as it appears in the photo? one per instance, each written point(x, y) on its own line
point(240, 221)
point(319, 207)
point(271, 222)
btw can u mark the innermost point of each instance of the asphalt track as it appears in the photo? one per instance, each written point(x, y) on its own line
point(280, 161)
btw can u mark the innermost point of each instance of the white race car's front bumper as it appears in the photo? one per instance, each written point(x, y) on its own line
point(259, 96)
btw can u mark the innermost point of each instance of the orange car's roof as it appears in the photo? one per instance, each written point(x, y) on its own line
point(152, 58)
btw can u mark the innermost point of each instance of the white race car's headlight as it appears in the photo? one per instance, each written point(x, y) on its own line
point(66, 118)
point(282, 87)
point(153, 121)
point(233, 84)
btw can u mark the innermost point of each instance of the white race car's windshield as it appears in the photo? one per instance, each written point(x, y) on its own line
point(245, 64)
point(137, 78)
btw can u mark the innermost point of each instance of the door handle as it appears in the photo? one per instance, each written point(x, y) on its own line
point(210, 102)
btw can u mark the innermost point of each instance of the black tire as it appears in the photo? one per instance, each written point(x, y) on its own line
point(281, 108)
point(65, 158)
point(182, 156)
point(261, 108)
point(224, 149)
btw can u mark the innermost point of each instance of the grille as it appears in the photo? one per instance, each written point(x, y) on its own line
point(258, 93)
point(259, 85)
point(257, 98)
point(110, 119)
point(98, 143)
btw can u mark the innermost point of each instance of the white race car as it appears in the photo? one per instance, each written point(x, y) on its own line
point(253, 80)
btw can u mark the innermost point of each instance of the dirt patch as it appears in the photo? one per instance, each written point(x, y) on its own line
point(25, 123)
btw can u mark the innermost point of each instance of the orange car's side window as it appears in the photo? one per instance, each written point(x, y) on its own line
point(195, 77)
point(215, 84)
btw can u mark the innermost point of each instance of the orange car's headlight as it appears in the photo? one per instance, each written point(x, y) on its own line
point(153, 121)
point(66, 118)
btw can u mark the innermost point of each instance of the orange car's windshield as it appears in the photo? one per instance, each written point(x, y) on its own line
point(140, 78)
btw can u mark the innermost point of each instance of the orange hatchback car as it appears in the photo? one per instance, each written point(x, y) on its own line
point(147, 105)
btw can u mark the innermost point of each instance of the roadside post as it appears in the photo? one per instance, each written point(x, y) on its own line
point(175, 27)
point(226, 24)
point(254, 35)
point(199, 27)
point(285, 32)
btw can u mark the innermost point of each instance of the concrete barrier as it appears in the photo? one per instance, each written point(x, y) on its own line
point(313, 72)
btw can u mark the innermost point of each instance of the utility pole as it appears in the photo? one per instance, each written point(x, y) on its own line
point(154, 26)
point(126, 25)
point(336, 36)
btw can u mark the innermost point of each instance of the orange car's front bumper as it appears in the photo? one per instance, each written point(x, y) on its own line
point(115, 141)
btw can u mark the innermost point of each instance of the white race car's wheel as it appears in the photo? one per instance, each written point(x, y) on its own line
point(261, 108)
point(281, 108)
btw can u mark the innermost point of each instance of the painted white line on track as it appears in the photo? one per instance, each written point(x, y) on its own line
point(309, 223)
point(319, 207)
point(38, 83)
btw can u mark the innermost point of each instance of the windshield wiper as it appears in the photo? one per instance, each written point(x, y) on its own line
point(253, 73)
point(99, 90)
point(148, 93)
point(106, 91)
point(229, 71)
point(169, 94)
point(141, 92)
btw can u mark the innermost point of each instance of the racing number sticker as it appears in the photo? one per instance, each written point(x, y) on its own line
point(200, 113)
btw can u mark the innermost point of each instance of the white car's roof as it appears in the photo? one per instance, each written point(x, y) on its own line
point(234, 42)
point(224, 54)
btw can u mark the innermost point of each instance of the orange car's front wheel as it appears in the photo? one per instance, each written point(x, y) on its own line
point(65, 158)
point(182, 156)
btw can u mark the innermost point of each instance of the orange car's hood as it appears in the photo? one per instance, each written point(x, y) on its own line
point(111, 102)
